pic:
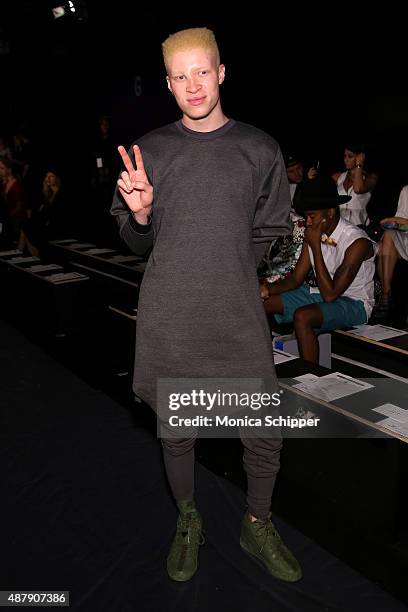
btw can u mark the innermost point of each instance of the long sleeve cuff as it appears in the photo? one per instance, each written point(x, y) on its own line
point(138, 227)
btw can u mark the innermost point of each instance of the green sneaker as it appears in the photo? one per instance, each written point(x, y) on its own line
point(182, 560)
point(261, 539)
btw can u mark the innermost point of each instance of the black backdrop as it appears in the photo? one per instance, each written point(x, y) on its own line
point(311, 79)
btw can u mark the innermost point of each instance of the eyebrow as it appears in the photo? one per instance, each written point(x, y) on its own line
point(177, 72)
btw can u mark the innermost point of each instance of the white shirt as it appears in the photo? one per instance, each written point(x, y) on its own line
point(292, 189)
point(355, 209)
point(400, 239)
point(402, 210)
point(362, 287)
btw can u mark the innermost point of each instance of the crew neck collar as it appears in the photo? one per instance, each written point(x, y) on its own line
point(205, 135)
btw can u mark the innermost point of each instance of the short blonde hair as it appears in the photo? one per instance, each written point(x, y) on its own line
point(191, 38)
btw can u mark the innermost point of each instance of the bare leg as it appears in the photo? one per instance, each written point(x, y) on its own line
point(273, 305)
point(21, 241)
point(305, 319)
point(32, 249)
point(387, 259)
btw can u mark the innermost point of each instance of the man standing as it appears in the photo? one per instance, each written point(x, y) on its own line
point(207, 192)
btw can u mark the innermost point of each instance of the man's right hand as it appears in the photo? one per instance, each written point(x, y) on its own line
point(134, 185)
point(312, 173)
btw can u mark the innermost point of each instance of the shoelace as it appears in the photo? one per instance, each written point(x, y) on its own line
point(269, 530)
point(190, 527)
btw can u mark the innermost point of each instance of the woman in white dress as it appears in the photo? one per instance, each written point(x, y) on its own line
point(357, 183)
point(393, 246)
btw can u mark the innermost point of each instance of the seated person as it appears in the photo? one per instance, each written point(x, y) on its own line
point(281, 257)
point(13, 209)
point(296, 175)
point(51, 220)
point(5, 151)
point(393, 246)
point(342, 258)
point(355, 182)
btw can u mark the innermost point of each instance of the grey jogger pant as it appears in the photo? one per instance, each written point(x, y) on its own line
point(261, 463)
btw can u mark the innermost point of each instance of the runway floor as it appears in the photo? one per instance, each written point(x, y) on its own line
point(86, 508)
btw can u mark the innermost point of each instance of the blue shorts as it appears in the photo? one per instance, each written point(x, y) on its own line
point(343, 312)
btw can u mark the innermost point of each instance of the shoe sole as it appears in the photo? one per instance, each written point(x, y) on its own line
point(262, 563)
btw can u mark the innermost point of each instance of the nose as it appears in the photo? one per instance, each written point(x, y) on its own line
point(193, 85)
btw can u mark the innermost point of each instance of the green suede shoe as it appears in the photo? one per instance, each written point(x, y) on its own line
point(182, 560)
point(261, 539)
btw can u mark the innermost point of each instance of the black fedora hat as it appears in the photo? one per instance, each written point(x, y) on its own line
point(319, 193)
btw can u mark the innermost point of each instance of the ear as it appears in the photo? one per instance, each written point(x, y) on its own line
point(168, 84)
point(221, 74)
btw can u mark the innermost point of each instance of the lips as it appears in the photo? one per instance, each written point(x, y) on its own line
point(196, 101)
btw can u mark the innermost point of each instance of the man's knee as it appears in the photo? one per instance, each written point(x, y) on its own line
point(262, 456)
point(302, 318)
point(273, 305)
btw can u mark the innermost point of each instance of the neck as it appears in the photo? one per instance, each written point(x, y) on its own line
point(332, 226)
point(213, 121)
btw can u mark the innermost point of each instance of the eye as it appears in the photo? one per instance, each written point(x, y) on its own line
point(179, 77)
point(203, 72)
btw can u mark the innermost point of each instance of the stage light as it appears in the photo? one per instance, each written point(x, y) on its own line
point(58, 11)
point(72, 9)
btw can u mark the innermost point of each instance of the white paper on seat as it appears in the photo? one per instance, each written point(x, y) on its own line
point(394, 412)
point(306, 377)
point(44, 267)
point(332, 386)
point(65, 276)
point(377, 332)
point(12, 252)
point(23, 259)
point(97, 251)
point(280, 356)
point(395, 426)
point(80, 245)
point(65, 241)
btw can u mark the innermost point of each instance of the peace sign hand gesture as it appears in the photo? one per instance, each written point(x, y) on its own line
point(134, 185)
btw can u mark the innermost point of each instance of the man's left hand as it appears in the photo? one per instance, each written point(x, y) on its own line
point(263, 288)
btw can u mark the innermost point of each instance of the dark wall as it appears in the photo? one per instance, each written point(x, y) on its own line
point(311, 86)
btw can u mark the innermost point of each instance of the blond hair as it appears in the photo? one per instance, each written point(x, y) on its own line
point(184, 40)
